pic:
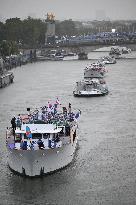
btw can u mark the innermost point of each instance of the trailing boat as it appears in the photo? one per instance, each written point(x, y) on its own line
point(71, 54)
point(126, 50)
point(108, 60)
point(115, 52)
point(82, 56)
point(95, 70)
point(90, 88)
point(42, 141)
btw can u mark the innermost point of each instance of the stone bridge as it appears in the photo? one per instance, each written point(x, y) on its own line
point(88, 48)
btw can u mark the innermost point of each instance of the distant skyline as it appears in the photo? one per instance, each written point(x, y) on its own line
point(70, 9)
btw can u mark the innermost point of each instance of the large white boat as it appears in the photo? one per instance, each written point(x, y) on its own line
point(42, 141)
point(90, 88)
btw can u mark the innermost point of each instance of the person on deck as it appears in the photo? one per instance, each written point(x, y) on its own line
point(40, 144)
point(13, 123)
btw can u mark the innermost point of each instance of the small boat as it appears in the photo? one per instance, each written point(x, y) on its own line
point(52, 55)
point(82, 56)
point(108, 60)
point(71, 54)
point(90, 88)
point(115, 52)
point(126, 50)
point(42, 141)
point(6, 77)
point(95, 70)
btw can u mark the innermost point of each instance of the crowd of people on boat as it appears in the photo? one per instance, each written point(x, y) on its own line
point(50, 114)
point(40, 144)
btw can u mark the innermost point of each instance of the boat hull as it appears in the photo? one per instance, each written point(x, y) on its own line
point(6, 79)
point(81, 94)
point(34, 163)
point(109, 62)
point(89, 95)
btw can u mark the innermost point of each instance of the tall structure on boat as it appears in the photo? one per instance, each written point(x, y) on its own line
point(50, 33)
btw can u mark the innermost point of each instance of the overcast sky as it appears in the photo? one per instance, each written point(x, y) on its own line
point(66, 9)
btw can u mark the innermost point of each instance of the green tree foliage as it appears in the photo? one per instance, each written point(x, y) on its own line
point(2, 31)
point(33, 32)
point(29, 33)
point(14, 29)
point(66, 27)
point(8, 47)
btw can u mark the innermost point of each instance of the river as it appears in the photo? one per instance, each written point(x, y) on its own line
point(103, 171)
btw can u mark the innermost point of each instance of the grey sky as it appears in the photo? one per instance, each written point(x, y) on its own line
point(65, 9)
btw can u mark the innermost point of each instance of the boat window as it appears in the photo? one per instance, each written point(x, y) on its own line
point(74, 136)
point(46, 135)
point(62, 131)
point(67, 130)
point(37, 136)
point(25, 137)
point(18, 138)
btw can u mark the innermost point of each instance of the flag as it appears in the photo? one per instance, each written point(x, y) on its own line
point(28, 132)
point(57, 101)
point(49, 105)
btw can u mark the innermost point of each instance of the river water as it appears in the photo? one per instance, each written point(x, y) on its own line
point(103, 171)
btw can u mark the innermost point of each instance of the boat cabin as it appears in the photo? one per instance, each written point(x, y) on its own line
point(38, 136)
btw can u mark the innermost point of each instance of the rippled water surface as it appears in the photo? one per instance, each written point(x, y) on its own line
point(104, 168)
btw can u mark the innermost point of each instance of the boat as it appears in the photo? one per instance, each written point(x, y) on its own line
point(52, 55)
point(71, 54)
point(43, 140)
point(91, 87)
point(6, 77)
point(115, 52)
point(126, 50)
point(95, 70)
point(108, 60)
point(82, 56)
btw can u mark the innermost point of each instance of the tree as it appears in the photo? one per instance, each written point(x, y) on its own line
point(8, 47)
point(14, 29)
point(34, 32)
point(66, 27)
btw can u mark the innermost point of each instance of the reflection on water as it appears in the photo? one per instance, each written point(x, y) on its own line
point(103, 171)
